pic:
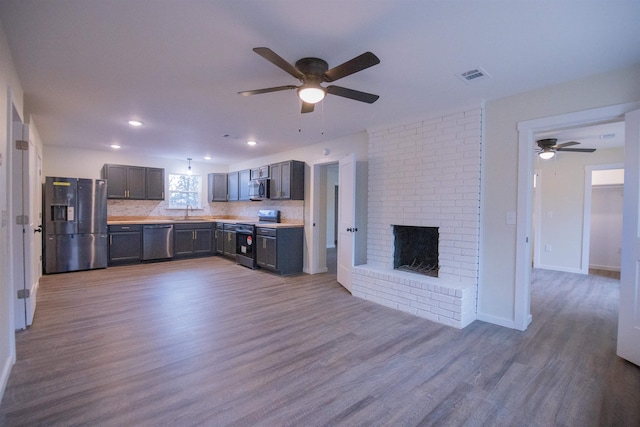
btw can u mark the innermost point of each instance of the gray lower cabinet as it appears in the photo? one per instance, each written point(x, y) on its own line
point(193, 239)
point(229, 241)
point(219, 238)
point(280, 249)
point(125, 244)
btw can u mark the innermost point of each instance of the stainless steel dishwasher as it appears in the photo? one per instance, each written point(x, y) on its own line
point(157, 241)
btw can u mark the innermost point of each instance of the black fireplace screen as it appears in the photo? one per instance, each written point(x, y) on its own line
point(416, 249)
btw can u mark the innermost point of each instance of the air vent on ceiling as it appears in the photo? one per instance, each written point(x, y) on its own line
point(474, 75)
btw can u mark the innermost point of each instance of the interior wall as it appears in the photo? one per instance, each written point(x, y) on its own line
point(11, 96)
point(500, 172)
point(562, 197)
point(606, 227)
point(83, 163)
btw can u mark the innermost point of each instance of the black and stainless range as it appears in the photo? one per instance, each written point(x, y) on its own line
point(245, 247)
point(246, 237)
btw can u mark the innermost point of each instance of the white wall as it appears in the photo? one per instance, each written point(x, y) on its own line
point(79, 163)
point(10, 92)
point(607, 177)
point(500, 172)
point(606, 227)
point(562, 194)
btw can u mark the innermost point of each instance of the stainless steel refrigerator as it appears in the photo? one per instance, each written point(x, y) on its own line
point(75, 225)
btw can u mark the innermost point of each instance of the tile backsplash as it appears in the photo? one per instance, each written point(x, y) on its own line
point(290, 210)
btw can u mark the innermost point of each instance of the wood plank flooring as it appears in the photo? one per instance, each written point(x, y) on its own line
point(207, 342)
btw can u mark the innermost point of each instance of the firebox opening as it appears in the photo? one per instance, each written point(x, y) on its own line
point(416, 249)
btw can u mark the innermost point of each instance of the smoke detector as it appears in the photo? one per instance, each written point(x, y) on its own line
point(474, 75)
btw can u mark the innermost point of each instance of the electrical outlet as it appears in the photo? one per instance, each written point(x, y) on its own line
point(547, 248)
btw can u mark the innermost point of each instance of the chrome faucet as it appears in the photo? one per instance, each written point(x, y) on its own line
point(186, 214)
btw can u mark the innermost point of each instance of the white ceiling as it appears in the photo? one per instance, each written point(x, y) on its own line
point(88, 66)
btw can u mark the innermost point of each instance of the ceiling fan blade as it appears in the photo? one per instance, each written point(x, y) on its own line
point(566, 144)
point(278, 61)
point(306, 107)
point(266, 90)
point(578, 150)
point(352, 94)
point(354, 65)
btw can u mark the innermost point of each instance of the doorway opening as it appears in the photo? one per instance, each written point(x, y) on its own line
point(527, 132)
point(562, 194)
point(326, 216)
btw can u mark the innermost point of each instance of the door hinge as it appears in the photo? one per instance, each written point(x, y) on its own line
point(24, 293)
point(22, 145)
point(22, 220)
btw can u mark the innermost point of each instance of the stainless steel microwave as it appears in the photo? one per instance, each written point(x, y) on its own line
point(259, 189)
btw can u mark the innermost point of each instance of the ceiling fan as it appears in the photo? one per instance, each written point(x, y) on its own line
point(549, 146)
point(313, 71)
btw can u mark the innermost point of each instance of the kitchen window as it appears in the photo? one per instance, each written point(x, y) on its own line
point(184, 190)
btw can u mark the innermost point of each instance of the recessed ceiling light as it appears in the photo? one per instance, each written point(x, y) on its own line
point(116, 146)
point(207, 157)
point(135, 123)
point(251, 142)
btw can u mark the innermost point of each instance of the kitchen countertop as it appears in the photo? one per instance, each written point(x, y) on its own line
point(168, 220)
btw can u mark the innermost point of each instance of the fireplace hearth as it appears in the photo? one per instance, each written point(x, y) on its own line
point(416, 249)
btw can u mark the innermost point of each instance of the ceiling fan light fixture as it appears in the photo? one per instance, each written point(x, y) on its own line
point(547, 153)
point(311, 94)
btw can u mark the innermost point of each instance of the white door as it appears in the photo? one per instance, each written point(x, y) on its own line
point(33, 232)
point(346, 219)
point(629, 316)
point(27, 243)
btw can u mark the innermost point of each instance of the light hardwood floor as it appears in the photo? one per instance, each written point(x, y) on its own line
point(207, 342)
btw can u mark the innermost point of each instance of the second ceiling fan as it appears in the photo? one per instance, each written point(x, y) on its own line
point(313, 71)
point(549, 146)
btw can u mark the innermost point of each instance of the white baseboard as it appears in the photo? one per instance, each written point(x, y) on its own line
point(605, 267)
point(500, 321)
point(563, 269)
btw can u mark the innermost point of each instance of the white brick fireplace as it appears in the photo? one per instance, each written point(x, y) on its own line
point(427, 174)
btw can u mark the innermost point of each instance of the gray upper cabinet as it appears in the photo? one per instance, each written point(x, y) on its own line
point(232, 187)
point(155, 184)
point(287, 180)
point(243, 181)
point(217, 187)
point(261, 172)
point(127, 182)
